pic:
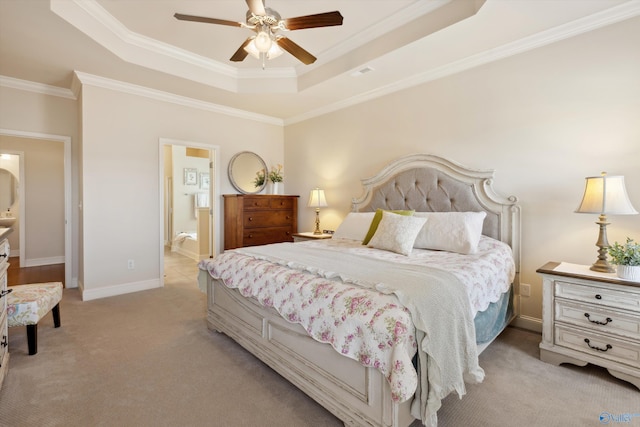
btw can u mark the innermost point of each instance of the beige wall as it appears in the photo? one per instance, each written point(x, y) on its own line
point(544, 120)
point(121, 179)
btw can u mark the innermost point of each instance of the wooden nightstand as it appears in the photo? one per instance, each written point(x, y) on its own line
point(590, 317)
point(301, 237)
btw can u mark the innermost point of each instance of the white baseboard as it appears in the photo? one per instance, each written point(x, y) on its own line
point(529, 323)
point(35, 262)
point(125, 288)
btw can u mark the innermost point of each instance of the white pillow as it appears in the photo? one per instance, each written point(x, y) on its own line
point(396, 233)
point(451, 231)
point(355, 226)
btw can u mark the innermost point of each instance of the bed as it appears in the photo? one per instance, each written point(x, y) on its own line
point(324, 358)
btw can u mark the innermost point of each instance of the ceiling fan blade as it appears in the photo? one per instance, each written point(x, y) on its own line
point(295, 50)
point(328, 19)
point(256, 7)
point(241, 53)
point(182, 17)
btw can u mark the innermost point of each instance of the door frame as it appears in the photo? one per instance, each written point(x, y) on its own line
point(68, 256)
point(214, 189)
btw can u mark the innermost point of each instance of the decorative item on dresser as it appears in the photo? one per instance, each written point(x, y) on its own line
point(251, 220)
point(590, 317)
point(4, 333)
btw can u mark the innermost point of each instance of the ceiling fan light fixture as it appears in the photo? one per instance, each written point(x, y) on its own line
point(252, 49)
point(274, 51)
point(263, 41)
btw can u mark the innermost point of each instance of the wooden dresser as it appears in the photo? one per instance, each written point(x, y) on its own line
point(4, 333)
point(251, 220)
point(590, 317)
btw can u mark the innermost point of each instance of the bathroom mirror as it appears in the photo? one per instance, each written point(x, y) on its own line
point(242, 172)
point(8, 189)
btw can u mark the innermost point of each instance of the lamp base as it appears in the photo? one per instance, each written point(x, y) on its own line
point(601, 264)
point(317, 230)
point(602, 267)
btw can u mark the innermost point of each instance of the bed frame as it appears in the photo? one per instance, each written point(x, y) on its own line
point(358, 395)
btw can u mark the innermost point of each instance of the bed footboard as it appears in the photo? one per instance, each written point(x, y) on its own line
point(358, 395)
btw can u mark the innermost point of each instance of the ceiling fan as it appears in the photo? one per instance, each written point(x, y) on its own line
point(266, 23)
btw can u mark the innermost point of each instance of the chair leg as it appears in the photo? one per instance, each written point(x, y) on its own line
point(56, 316)
point(32, 339)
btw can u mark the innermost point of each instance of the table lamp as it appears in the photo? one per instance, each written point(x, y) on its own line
point(605, 195)
point(317, 200)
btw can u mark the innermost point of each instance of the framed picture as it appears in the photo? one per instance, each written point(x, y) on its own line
point(204, 180)
point(190, 176)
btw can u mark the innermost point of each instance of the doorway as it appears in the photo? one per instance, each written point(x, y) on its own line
point(34, 144)
point(189, 178)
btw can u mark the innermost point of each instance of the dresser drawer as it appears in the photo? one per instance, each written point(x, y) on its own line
point(3, 289)
point(250, 203)
point(268, 219)
point(4, 347)
point(5, 250)
point(263, 236)
point(282, 203)
point(601, 346)
point(597, 318)
point(600, 296)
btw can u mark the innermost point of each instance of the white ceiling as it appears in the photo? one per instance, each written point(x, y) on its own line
point(404, 42)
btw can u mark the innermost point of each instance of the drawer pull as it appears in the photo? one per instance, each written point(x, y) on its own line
point(594, 347)
point(4, 342)
point(5, 292)
point(597, 322)
point(4, 255)
point(598, 296)
point(250, 218)
point(250, 236)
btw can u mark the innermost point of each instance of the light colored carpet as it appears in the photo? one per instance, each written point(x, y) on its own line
point(148, 359)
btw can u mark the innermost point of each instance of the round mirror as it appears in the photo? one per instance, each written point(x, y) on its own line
point(247, 172)
point(8, 189)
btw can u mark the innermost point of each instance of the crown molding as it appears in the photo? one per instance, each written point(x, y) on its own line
point(616, 14)
point(131, 89)
point(40, 88)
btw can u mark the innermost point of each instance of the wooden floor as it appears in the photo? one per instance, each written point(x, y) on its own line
point(22, 276)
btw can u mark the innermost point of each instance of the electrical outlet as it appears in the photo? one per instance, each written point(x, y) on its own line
point(525, 290)
point(131, 264)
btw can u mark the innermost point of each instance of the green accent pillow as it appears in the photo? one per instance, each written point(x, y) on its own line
point(376, 220)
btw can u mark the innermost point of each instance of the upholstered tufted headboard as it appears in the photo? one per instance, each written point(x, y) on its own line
point(428, 183)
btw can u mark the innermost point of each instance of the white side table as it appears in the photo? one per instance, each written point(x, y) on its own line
point(590, 317)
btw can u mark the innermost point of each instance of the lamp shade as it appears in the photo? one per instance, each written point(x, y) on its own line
point(606, 195)
point(317, 199)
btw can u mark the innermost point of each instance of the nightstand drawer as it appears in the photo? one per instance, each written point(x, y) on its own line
point(606, 321)
point(599, 296)
point(598, 345)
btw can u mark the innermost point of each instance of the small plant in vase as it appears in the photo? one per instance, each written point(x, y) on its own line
point(276, 177)
point(627, 258)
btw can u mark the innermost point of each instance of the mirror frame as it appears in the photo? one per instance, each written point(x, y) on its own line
point(233, 181)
